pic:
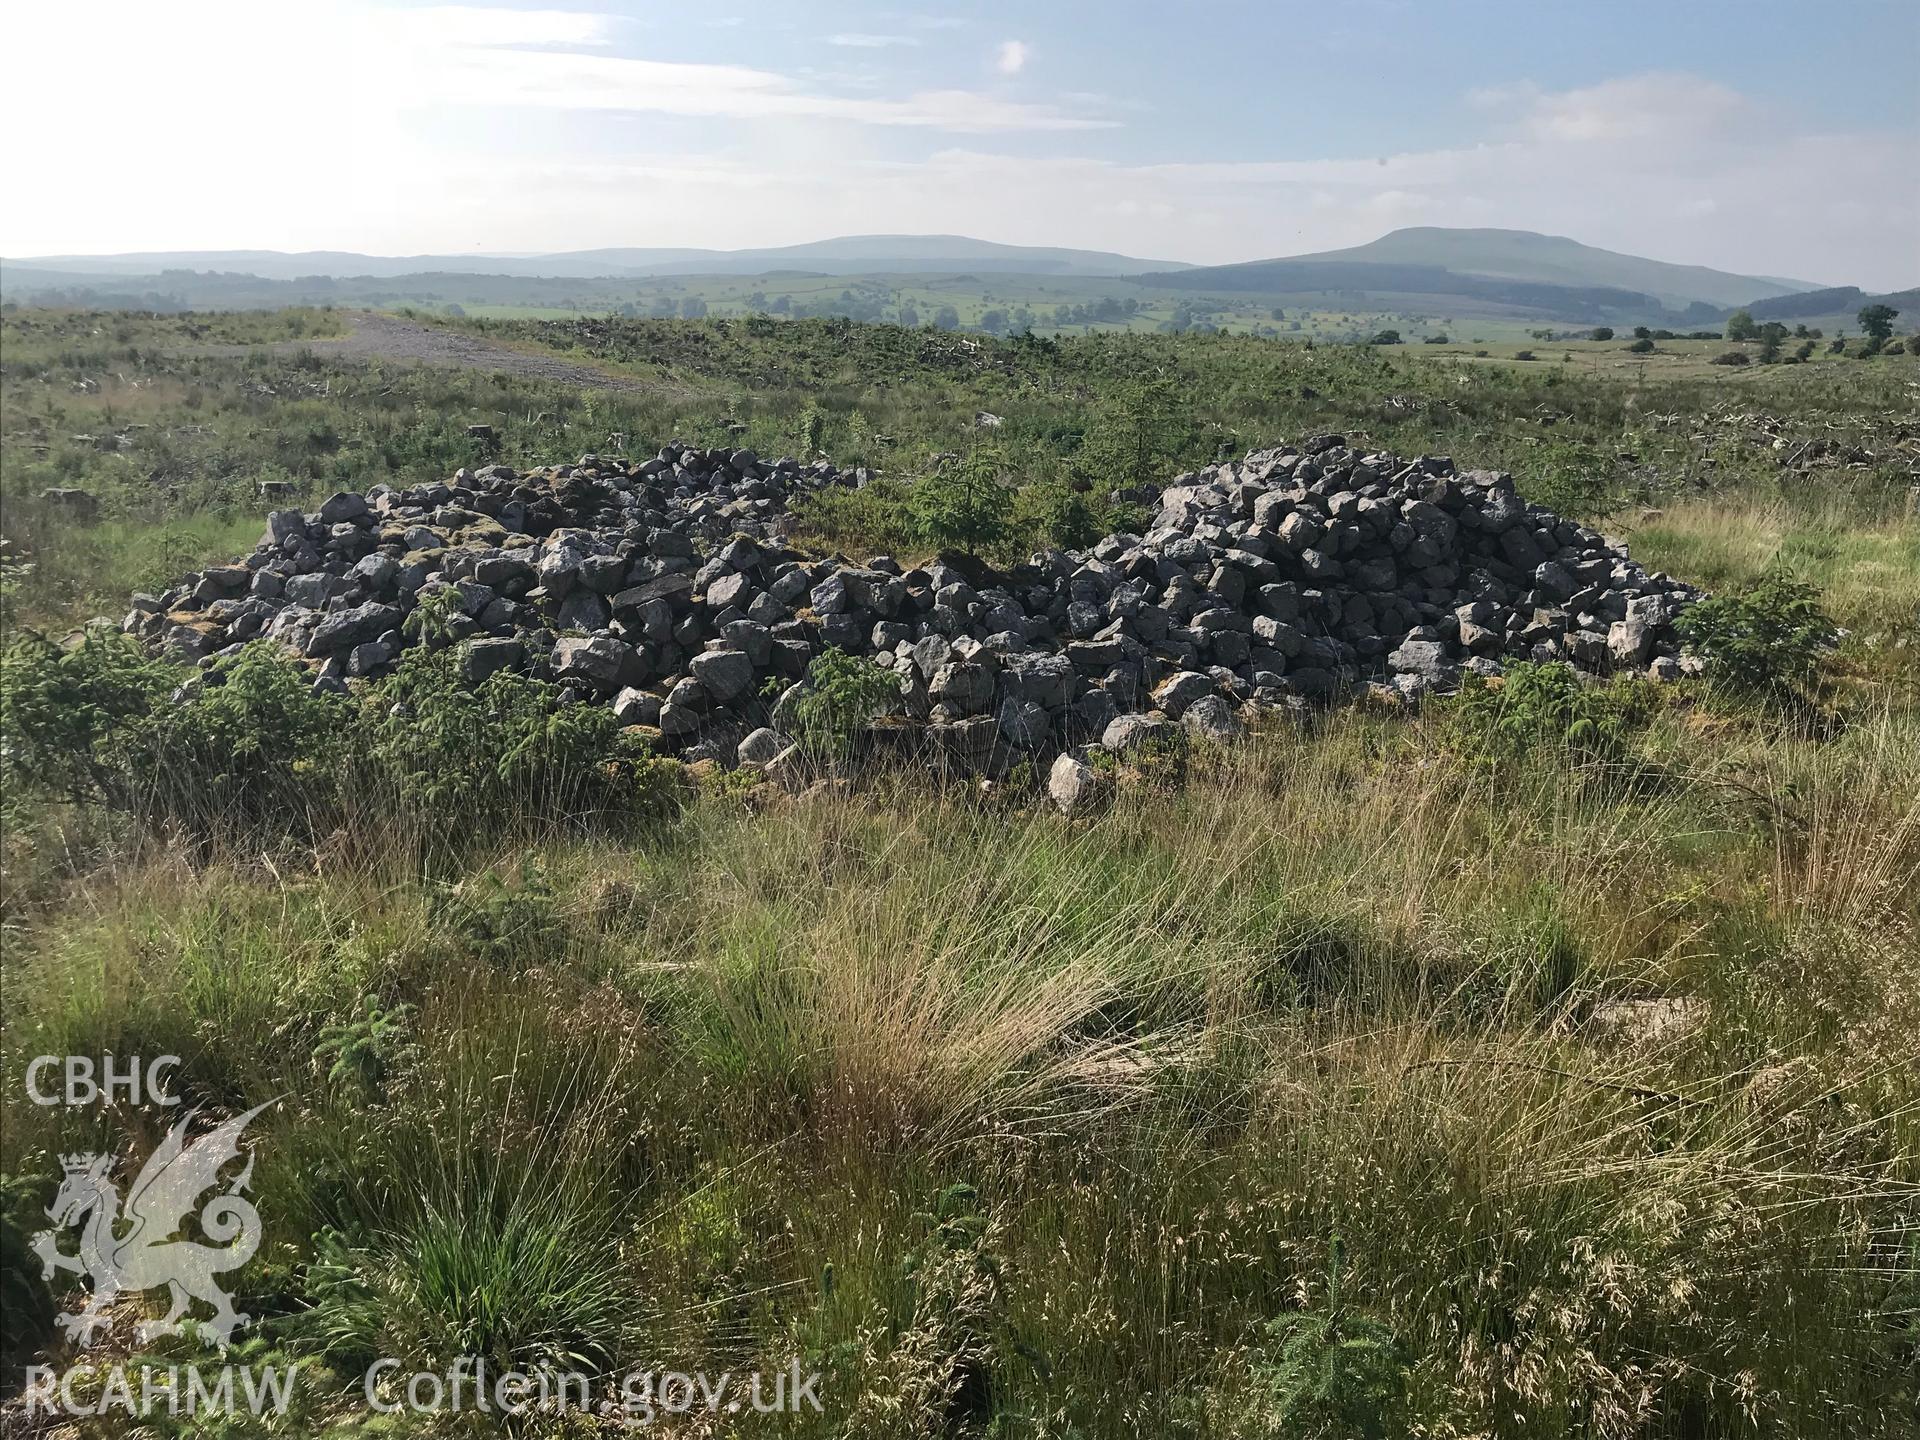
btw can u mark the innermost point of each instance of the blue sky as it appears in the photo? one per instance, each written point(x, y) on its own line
point(1765, 136)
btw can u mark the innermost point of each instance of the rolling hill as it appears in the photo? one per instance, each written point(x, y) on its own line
point(1516, 270)
point(887, 255)
point(843, 255)
point(1502, 279)
point(1841, 300)
point(1556, 260)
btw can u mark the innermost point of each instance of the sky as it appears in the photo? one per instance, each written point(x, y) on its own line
point(1771, 137)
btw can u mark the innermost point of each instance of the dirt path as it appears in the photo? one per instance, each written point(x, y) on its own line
point(375, 335)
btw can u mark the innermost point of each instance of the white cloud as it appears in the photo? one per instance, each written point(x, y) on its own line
point(1012, 56)
point(1635, 107)
point(1500, 97)
point(466, 63)
point(857, 41)
point(571, 81)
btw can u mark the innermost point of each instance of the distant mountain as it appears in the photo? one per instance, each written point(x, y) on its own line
point(884, 255)
point(299, 265)
point(1548, 274)
point(1556, 260)
point(845, 255)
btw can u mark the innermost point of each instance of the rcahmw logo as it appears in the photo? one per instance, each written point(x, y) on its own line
point(147, 1256)
point(126, 1247)
point(129, 1246)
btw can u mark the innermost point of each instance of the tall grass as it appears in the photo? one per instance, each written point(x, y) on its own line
point(702, 1107)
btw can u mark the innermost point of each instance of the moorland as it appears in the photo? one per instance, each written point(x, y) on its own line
point(1537, 1067)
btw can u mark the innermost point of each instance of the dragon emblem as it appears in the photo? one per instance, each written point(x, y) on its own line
point(150, 1254)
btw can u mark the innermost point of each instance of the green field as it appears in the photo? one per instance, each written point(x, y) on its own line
point(1004, 302)
point(1025, 302)
point(1439, 1074)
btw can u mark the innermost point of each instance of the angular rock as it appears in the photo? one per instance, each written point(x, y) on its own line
point(1176, 694)
point(1073, 785)
point(346, 628)
point(760, 747)
point(1210, 718)
point(480, 659)
point(1296, 572)
point(602, 662)
point(725, 674)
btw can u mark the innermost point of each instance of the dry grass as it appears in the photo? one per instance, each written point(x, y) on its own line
point(1868, 566)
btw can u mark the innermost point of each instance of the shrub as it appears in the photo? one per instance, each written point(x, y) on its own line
point(249, 744)
point(1767, 638)
point(810, 430)
point(461, 758)
point(364, 1049)
point(1135, 434)
point(1056, 513)
point(878, 517)
point(965, 506)
point(61, 708)
point(498, 923)
point(1642, 346)
point(1335, 1370)
point(245, 744)
point(843, 693)
point(1545, 709)
point(1574, 480)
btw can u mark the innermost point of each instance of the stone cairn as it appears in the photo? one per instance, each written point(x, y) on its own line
point(666, 588)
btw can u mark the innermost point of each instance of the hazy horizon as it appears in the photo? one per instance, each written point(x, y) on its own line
point(1749, 139)
point(823, 240)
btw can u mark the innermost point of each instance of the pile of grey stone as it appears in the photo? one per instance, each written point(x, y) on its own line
point(668, 589)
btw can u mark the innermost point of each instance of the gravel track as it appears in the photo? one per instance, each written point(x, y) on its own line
point(378, 336)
